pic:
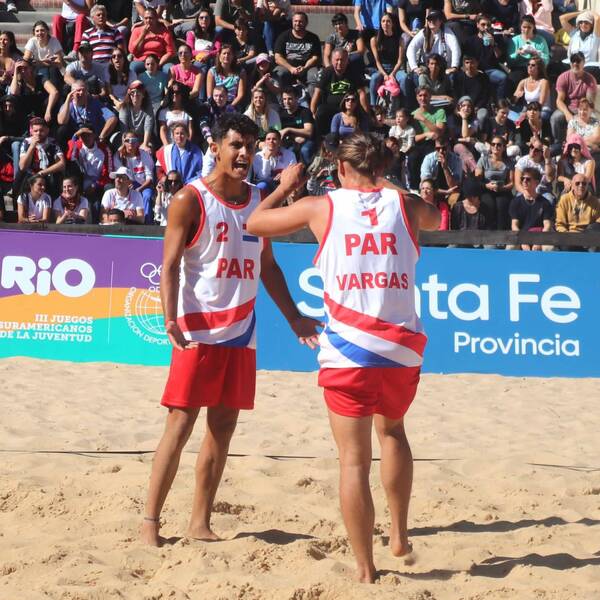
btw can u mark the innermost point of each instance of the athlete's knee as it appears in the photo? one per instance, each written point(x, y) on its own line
point(180, 424)
point(222, 422)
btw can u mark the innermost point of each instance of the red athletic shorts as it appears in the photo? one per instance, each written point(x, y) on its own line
point(211, 375)
point(364, 391)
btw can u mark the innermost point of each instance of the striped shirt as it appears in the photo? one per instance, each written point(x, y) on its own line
point(102, 41)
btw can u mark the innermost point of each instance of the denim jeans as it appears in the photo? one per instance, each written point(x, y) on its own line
point(377, 80)
point(498, 81)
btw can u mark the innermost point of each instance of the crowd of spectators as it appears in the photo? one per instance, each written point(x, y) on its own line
point(487, 107)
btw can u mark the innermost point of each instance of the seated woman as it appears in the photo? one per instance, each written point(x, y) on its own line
point(182, 155)
point(586, 124)
point(464, 131)
point(155, 81)
point(175, 111)
point(34, 93)
point(351, 117)
point(496, 172)
point(584, 38)
point(270, 161)
point(203, 40)
point(8, 59)
point(523, 47)
point(435, 78)
point(576, 158)
point(262, 77)
point(541, 11)
point(535, 88)
point(187, 73)
point(119, 77)
point(136, 115)
point(429, 193)
point(470, 214)
point(229, 75)
point(532, 126)
point(262, 114)
point(243, 44)
point(500, 125)
point(46, 53)
point(70, 207)
point(34, 205)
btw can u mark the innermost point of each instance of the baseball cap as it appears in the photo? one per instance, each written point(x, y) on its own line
point(262, 57)
point(120, 171)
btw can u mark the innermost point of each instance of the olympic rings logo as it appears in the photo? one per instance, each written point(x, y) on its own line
point(151, 272)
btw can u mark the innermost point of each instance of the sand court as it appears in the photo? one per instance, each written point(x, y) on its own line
point(506, 496)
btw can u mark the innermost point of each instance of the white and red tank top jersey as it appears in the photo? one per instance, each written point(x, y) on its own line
point(220, 273)
point(367, 260)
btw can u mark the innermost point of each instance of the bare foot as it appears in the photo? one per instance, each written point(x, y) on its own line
point(203, 533)
point(365, 575)
point(149, 534)
point(400, 545)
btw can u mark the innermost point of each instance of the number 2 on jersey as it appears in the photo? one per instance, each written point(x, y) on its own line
point(222, 228)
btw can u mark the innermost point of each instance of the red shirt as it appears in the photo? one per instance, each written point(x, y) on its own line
point(160, 43)
point(575, 89)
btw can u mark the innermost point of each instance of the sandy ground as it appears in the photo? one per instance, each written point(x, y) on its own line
point(506, 499)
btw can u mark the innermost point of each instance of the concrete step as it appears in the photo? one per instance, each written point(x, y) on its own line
point(31, 16)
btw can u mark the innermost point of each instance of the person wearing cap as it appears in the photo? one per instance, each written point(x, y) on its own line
point(584, 38)
point(123, 197)
point(262, 77)
point(571, 86)
point(136, 114)
point(343, 37)
point(470, 214)
point(84, 68)
point(277, 17)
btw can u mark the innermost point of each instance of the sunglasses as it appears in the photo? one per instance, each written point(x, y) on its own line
point(496, 144)
point(580, 183)
point(350, 100)
point(131, 140)
point(173, 180)
point(575, 147)
point(526, 179)
point(117, 56)
point(535, 149)
point(441, 148)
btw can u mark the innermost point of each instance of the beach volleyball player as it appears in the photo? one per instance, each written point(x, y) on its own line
point(372, 347)
point(210, 274)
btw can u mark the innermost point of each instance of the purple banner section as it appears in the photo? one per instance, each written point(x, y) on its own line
point(117, 262)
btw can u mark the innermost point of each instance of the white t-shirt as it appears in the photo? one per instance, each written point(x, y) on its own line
point(141, 167)
point(267, 168)
point(170, 117)
point(35, 208)
point(132, 201)
point(40, 53)
point(68, 13)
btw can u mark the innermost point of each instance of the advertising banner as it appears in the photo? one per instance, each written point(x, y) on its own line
point(97, 298)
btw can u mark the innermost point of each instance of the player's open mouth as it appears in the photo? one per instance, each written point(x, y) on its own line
point(240, 165)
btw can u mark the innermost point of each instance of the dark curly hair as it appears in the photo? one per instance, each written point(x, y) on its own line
point(234, 122)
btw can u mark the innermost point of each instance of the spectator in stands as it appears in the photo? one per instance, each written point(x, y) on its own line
point(496, 172)
point(35, 94)
point(367, 15)
point(262, 77)
point(156, 82)
point(576, 158)
point(227, 11)
point(584, 38)
point(277, 17)
point(209, 113)
point(226, 72)
point(429, 194)
point(151, 38)
point(8, 60)
point(469, 214)
point(123, 197)
point(297, 126)
point(70, 24)
point(541, 10)
point(270, 161)
point(350, 118)
point(535, 87)
point(39, 155)
point(463, 130)
point(175, 111)
point(444, 167)
point(394, 166)
point(538, 159)
point(532, 127)
point(262, 114)
point(488, 51)
point(504, 15)
point(501, 125)
point(140, 167)
point(71, 208)
point(118, 13)
point(114, 216)
point(322, 172)
point(577, 208)
point(46, 53)
point(411, 17)
point(571, 87)
point(461, 16)
point(85, 69)
point(186, 73)
point(80, 108)
point(586, 124)
point(404, 132)
point(471, 82)
point(120, 77)
point(298, 54)
point(94, 162)
point(436, 37)
point(202, 39)
point(433, 76)
point(333, 84)
point(141, 6)
point(343, 37)
point(102, 37)
point(243, 44)
point(136, 114)
point(183, 15)
point(165, 190)
point(429, 122)
point(379, 126)
point(529, 210)
point(34, 205)
point(386, 48)
point(11, 135)
point(182, 155)
point(522, 48)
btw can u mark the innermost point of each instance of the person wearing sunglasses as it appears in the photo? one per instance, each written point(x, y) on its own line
point(166, 189)
point(444, 167)
point(136, 114)
point(529, 210)
point(578, 208)
point(576, 159)
point(539, 159)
